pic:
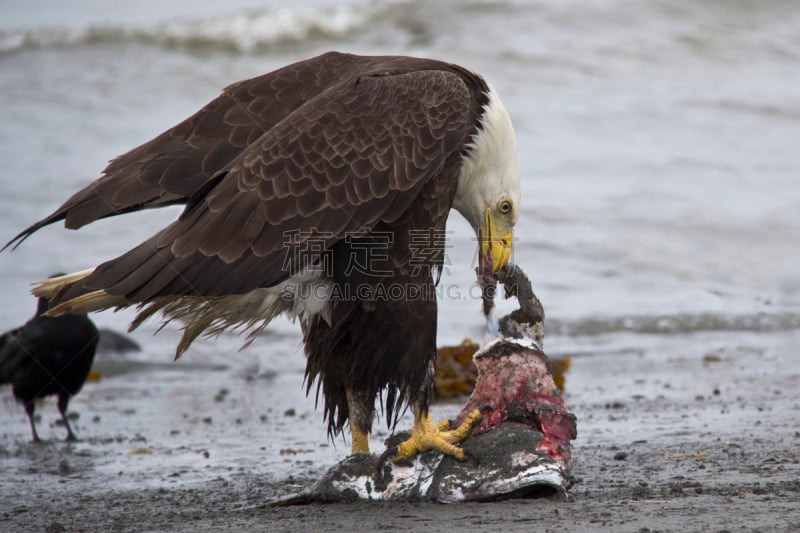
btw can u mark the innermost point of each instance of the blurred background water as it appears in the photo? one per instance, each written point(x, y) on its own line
point(659, 147)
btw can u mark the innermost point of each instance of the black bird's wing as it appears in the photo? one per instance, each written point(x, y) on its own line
point(20, 348)
point(8, 335)
point(9, 355)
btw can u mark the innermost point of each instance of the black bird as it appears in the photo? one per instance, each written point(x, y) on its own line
point(46, 356)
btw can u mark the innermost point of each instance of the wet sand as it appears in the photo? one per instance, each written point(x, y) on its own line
point(701, 435)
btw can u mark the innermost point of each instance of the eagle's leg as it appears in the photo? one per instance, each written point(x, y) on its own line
point(426, 435)
point(360, 415)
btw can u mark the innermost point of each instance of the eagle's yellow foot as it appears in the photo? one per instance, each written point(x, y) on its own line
point(359, 431)
point(359, 439)
point(427, 436)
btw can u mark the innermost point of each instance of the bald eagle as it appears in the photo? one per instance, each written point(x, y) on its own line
point(319, 190)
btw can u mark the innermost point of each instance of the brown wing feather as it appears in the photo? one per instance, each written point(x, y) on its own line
point(342, 162)
point(171, 167)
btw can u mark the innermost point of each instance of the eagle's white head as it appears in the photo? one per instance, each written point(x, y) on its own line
point(488, 193)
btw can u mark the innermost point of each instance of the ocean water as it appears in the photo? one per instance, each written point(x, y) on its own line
point(659, 150)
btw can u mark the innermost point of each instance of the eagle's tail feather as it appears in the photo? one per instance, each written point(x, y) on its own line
point(85, 303)
point(51, 287)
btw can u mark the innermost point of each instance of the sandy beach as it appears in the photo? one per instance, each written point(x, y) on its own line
point(701, 437)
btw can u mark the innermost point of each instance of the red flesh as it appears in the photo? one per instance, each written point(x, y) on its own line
point(517, 384)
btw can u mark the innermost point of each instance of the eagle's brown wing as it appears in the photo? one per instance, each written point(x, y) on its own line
point(353, 156)
point(170, 168)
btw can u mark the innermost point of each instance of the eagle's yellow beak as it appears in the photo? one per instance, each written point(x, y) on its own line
point(495, 242)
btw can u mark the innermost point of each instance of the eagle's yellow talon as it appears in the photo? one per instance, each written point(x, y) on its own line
point(462, 432)
point(427, 435)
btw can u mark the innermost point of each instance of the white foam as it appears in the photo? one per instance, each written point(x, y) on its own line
point(242, 31)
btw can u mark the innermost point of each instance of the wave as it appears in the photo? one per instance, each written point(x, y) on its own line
point(255, 30)
point(245, 31)
point(675, 324)
point(563, 30)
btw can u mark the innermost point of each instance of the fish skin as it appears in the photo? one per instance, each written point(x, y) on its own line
point(510, 466)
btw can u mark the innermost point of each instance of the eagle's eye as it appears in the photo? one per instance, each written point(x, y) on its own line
point(504, 207)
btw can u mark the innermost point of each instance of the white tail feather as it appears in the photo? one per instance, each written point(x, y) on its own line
point(51, 286)
point(85, 303)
